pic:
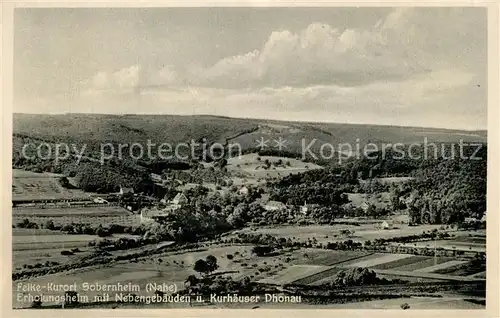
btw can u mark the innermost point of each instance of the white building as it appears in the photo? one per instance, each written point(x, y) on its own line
point(386, 225)
point(243, 191)
point(124, 190)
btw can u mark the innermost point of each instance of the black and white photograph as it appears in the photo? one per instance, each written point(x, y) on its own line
point(250, 158)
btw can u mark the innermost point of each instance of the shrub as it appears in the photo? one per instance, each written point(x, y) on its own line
point(405, 306)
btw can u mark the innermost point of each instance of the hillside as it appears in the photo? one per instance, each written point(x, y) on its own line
point(127, 129)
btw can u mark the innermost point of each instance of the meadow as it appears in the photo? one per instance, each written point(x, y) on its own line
point(27, 185)
point(331, 233)
point(254, 167)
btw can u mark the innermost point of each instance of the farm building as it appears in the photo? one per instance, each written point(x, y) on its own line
point(274, 206)
point(387, 225)
point(243, 191)
point(177, 202)
point(179, 199)
point(306, 208)
point(125, 190)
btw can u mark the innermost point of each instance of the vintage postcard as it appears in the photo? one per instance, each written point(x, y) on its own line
point(237, 156)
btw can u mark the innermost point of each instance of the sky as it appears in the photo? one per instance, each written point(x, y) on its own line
point(390, 66)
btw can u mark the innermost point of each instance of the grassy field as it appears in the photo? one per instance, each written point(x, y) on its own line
point(92, 215)
point(173, 269)
point(417, 262)
point(452, 245)
point(444, 265)
point(378, 261)
point(32, 246)
point(330, 233)
point(329, 257)
point(418, 303)
point(294, 273)
point(255, 168)
point(104, 211)
point(27, 185)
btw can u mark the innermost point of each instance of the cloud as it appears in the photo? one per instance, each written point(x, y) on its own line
point(125, 78)
point(322, 54)
point(396, 72)
point(408, 42)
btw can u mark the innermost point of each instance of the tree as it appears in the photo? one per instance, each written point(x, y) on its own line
point(191, 281)
point(267, 163)
point(50, 225)
point(101, 232)
point(262, 250)
point(37, 303)
point(201, 266)
point(211, 263)
point(405, 306)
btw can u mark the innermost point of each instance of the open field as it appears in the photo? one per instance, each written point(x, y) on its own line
point(52, 241)
point(382, 259)
point(330, 257)
point(293, 273)
point(76, 212)
point(413, 302)
point(290, 266)
point(91, 215)
point(32, 246)
point(255, 168)
point(27, 185)
point(331, 233)
point(436, 267)
point(451, 245)
point(415, 263)
point(466, 269)
point(174, 269)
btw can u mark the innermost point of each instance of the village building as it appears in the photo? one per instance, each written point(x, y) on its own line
point(177, 202)
point(307, 208)
point(125, 190)
point(386, 225)
point(243, 191)
point(179, 199)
